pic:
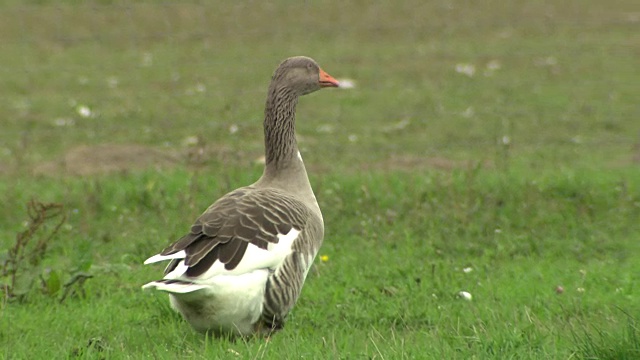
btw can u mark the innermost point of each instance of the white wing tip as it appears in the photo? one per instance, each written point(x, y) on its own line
point(149, 286)
point(174, 288)
point(157, 258)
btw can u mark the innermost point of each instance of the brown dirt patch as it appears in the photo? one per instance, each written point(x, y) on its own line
point(113, 158)
point(107, 158)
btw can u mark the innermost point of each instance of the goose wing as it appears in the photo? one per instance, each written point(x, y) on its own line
point(245, 230)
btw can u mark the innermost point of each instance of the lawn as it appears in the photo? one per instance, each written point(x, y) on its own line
point(480, 184)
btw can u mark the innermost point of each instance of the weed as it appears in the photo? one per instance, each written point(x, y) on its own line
point(30, 246)
point(20, 268)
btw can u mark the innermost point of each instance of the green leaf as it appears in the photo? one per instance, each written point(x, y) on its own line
point(84, 265)
point(53, 283)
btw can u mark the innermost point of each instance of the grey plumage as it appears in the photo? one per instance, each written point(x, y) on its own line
point(244, 216)
point(241, 267)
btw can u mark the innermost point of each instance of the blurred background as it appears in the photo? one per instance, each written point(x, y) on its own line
point(478, 177)
point(94, 86)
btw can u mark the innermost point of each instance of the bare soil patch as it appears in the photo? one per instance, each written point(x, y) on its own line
point(108, 158)
point(87, 160)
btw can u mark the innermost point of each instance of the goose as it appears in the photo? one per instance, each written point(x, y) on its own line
point(240, 269)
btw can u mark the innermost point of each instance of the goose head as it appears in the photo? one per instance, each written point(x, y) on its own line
point(301, 75)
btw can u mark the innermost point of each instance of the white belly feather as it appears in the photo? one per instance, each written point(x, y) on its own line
point(220, 299)
point(229, 303)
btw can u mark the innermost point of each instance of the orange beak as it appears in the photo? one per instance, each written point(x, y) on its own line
point(327, 80)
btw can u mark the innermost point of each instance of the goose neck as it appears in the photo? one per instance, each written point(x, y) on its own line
point(279, 128)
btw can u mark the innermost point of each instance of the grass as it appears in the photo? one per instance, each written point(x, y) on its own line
point(517, 184)
point(390, 283)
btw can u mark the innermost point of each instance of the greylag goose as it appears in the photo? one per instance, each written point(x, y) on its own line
point(240, 269)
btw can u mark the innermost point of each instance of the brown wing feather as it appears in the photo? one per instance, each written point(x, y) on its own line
point(182, 243)
point(229, 250)
point(235, 260)
point(199, 249)
point(242, 217)
point(203, 265)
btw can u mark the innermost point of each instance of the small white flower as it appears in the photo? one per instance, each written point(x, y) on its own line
point(84, 111)
point(497, 231)
point(190, 141)
point(466, 69)
point(346, 84)
point(506, 140)
point(465, 295)
point(233, 352)
point(233, 128)
point(467, 270)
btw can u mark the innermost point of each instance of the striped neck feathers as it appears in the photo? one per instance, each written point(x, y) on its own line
point(281, 147)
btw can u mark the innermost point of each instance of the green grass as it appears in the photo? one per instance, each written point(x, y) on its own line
point(421, 196)
point(396, 260)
